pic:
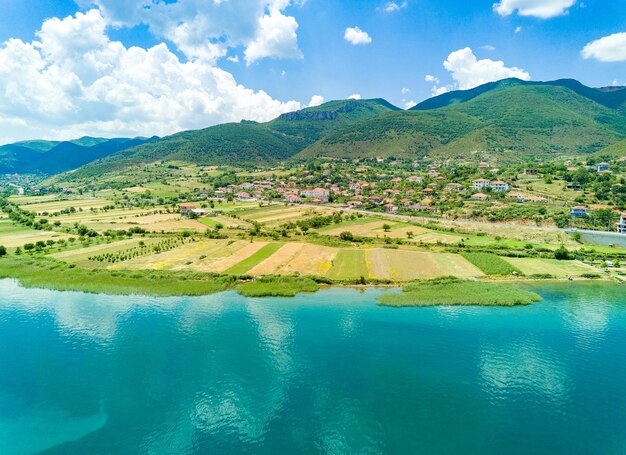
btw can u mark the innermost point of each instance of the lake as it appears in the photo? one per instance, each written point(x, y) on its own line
point(325, 373)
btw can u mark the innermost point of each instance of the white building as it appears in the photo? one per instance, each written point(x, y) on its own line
point(317, 193)
point(499, 186)
point(480, 184)
point(621, 226)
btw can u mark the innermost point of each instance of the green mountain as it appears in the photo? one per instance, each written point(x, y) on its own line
point(509, 119)
point(246, 143)
point(52, 157)
point(613, 151)
point(612, 97)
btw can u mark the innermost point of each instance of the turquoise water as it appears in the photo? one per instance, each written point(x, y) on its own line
point(324, 373)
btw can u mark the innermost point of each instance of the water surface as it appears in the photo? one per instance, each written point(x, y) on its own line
point(325, 373)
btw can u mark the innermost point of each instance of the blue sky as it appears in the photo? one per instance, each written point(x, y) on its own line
point(232, 59)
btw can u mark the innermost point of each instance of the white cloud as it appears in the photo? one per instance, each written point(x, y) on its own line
point(393, 7)
point(316, 100)
point(431, 78)
point(519, 29)
point(409, 104)
point(73, 80)
point(611, 48)
point(543, 9)
point(469, 72)
point(233, 59)
point(355, 96)
point(204, 29)
point(356, 36)
point(405, 90)
point(489, 47)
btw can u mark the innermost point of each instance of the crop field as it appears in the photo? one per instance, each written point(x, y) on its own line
point(491, 264)
point(12, 236)
point(403, 265)
point(349, 264)
point(301, 258)
point(57, 206)
point(558, 269)
point(253, 260)
point(80, 256)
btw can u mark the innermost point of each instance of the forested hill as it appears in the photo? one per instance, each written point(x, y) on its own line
point(246, 143)
point(509, 118)
point(51, 157)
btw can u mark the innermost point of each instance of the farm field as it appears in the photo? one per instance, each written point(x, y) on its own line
point(300, 258)
point(80, 256)
point(402, 265)
point(558, 269)
point(58, 205)
point(349, 264)
point(12, 236)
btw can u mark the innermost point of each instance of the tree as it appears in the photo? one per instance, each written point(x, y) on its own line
point(3, 251)
point(386, 228)
point(562, 254)
point(347, 236)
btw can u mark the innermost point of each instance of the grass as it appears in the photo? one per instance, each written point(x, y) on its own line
point(348, 265)
point(491, 264)
point(452, 291)
point(254, 260)
point(51, 274)
point(277, 286)
point(559, 269)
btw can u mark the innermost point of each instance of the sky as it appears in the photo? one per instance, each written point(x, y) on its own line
point(126, 68)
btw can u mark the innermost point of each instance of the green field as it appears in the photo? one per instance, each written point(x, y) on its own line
point(254, 260)
point(490, 264)
point(348, 265)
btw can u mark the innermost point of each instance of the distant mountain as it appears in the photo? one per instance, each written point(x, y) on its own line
point(246, 143)
point(52, 157)
point(511, 119)
point(611, 97)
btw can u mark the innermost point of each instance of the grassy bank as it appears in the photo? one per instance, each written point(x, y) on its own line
point(59, 276)
point(277, 286)
point(452, 291)
point(491, 264)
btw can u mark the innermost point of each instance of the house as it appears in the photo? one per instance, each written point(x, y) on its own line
point(602, 167)
point(499, 186)
point(454, 186)
point(579, 211)
point(483, 165)
point(519, 197)
point(433, 173)
point(243, 196)
point(199, 212)
point(390, 208)
point(423, 208)
point(415, 179)
point(375, 199)
point(480, 184)
point(479, 197)
point(537, 200)
point(186, 209)
point(621, 226)
point(318, 193)
point(292, 198)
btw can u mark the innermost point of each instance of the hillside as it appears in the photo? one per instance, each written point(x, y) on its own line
point(507, 119)
point(52, 157)
point(613, 151)
point(246, 143)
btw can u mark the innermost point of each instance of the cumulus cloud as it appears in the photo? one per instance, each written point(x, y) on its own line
point(543, 9)
point(356, 36)
point(469, 72)
point(73, 80)
point(408, 104)
point(316, 100)
point(393, 7)
point(405, 90)
point(611, 48)
point(205, 30)
point(355, 96)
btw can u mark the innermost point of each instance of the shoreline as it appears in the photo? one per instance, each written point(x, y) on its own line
point(59, 276)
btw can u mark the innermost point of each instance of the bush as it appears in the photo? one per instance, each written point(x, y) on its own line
point(3, 251)
point(562, 254)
